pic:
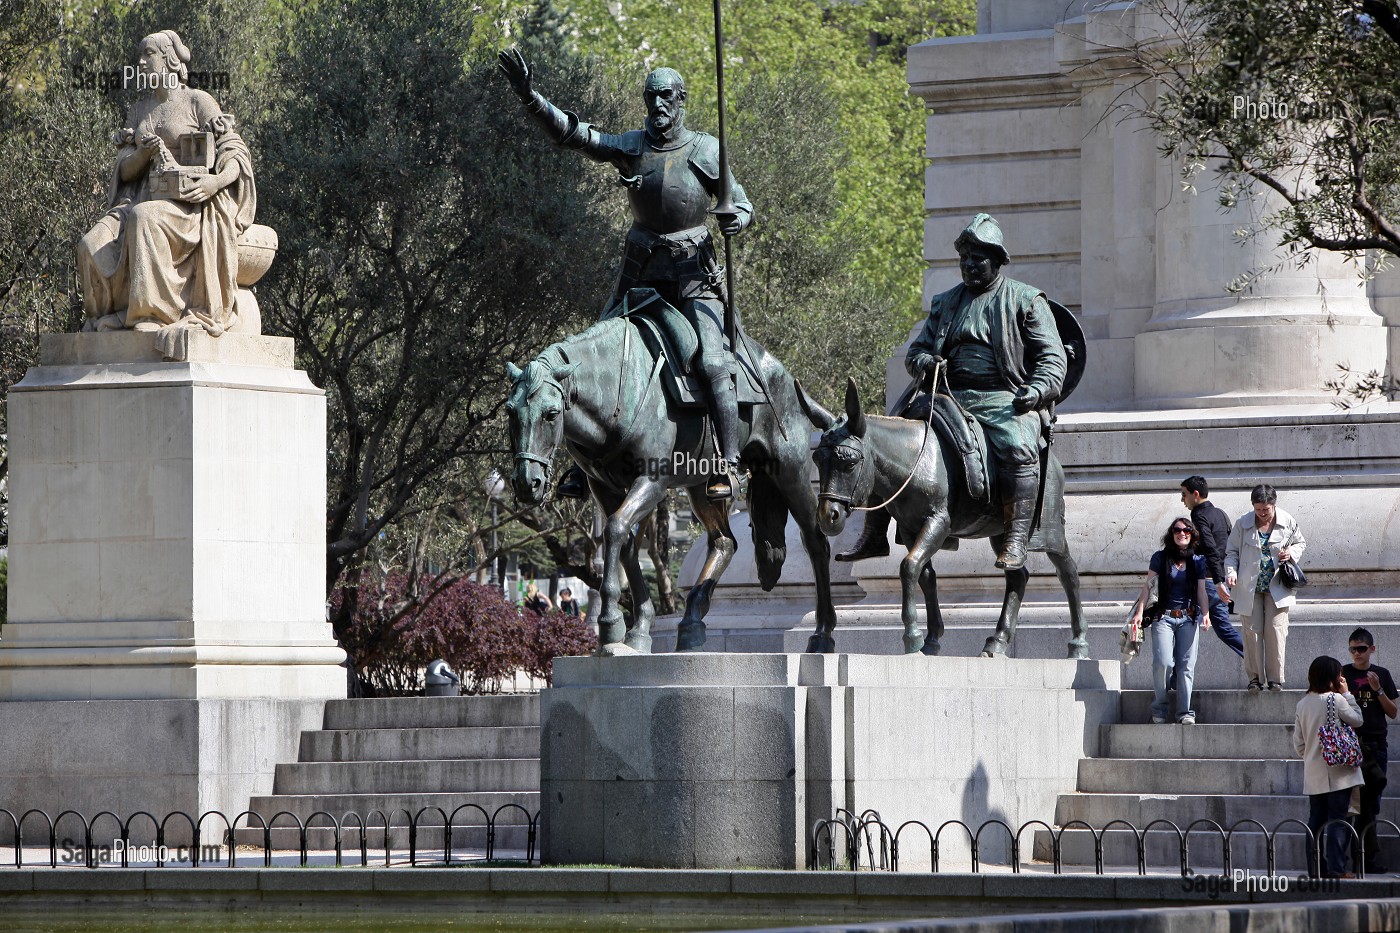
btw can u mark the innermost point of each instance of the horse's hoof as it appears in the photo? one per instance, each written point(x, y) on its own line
point(617, 649)
point(821, 644)
point(638, 642)
point(914, 642)
point(995, 648)
point(932, 648)
point(1078, 651)
point(612, 631)
point(690, 636)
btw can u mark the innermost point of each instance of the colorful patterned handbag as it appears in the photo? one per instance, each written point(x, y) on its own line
point(1339, 743)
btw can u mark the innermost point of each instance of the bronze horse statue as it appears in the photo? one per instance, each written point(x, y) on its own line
point(598, 393)
point(865, 460)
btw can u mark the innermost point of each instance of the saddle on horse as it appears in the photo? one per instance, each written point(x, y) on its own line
point(670, 337)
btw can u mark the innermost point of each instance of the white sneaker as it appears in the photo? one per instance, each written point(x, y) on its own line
point(1158, 720)
point(1187, 720)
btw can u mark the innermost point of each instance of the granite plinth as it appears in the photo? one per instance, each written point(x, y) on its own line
point(726, 760)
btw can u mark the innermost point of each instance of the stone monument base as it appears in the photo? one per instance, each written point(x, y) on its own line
point(160, 756)
point(727, 760)
point(167, 639)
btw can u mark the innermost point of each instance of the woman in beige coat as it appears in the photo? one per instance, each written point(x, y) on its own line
point(1261, 599)
point(1329, 787)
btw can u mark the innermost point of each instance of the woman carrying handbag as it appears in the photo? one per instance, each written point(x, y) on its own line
point(1323, 738)
point(1260, 543)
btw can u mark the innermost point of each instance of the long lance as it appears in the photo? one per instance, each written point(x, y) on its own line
point(726, 206)
point(726, 193)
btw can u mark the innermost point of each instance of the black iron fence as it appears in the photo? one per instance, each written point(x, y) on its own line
point(869, 844)
point(213, 831)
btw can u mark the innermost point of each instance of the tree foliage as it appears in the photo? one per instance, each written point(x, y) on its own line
point(1297, 99)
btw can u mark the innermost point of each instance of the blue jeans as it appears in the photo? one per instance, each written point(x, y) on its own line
point(1329, 807)
point(1173, 649)
point(1220, 621)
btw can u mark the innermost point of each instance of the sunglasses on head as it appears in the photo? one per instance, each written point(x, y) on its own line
point(1358, 649)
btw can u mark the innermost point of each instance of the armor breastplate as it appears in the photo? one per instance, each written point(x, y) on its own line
point(671, 197)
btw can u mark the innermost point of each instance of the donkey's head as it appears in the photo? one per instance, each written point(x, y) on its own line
point(846, 474)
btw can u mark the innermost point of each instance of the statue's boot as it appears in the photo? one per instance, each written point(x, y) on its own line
point(1018, 508)
point(724, 415)
point(572, 485)
point(874, 540)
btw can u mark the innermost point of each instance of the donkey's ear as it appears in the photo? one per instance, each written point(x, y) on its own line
point(855, 418)
point(514, 372)
point(819, 416)
point(563, 371)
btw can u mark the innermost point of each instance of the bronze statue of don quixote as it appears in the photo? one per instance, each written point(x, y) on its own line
point(666, 390)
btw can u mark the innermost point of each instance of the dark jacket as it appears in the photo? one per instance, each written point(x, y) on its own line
point(1214, 526)
point(1025, 340)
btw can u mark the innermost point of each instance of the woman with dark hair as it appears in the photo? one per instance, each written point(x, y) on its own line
point(1329, 787)
point(1259, 544)
point(1178, 613)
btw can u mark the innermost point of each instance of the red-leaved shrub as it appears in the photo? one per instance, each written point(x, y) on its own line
point(481, 636)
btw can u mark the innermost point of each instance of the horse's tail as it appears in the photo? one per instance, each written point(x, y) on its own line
point(768, 515)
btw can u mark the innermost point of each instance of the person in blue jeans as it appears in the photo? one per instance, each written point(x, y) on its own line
point(1179, 614)
point(1213, 525)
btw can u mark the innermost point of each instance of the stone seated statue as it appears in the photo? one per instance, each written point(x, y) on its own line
point(178, 246)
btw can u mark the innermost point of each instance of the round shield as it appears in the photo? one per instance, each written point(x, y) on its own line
point(1076, 347)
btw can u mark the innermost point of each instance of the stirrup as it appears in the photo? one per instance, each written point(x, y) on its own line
point(1012, 557)
point(869, 544)
point(572, 485)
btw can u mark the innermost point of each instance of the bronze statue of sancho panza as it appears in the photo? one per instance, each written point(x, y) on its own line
point(1006, 366)
point(672, 176)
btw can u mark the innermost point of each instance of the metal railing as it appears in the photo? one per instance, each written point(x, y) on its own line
point(868, 835)
point(362, 826)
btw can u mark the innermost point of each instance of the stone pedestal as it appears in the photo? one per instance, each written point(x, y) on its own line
point(167, 563)
point(725, 761)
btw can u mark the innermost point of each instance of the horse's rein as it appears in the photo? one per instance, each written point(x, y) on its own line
point(914, 468)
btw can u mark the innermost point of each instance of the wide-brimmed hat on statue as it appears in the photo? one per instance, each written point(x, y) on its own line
point(984, 231)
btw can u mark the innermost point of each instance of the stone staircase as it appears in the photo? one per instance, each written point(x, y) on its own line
point(1236, 764)
point(404, 754)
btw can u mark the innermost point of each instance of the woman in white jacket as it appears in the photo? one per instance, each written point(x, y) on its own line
point(1329, 787)
point(1259, 543)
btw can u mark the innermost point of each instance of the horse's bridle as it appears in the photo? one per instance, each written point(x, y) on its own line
point(546, 462)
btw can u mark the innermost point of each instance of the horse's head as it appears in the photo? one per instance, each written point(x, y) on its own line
point(539, 397)
point(845, 473)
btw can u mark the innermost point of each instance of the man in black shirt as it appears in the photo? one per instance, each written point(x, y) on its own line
point(1375, 693)
point(1214, 526)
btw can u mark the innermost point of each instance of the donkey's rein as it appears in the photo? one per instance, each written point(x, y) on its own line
point(914, 468)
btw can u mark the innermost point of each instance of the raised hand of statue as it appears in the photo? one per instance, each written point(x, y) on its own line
point(517, 72)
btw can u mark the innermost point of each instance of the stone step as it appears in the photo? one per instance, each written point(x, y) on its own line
point(1248, 850)
point(402, 777)
point(1236, 707)
point(1260, 740)
point(465, 839)
point(433, 712)
point(1192, 775)
point(504, 806)
point(1099, 809)
point(420, 744)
